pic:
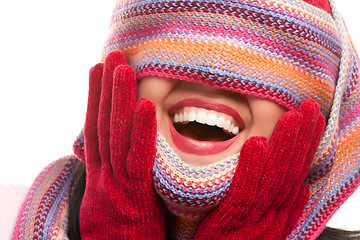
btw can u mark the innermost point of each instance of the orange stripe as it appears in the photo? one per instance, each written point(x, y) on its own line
point(255, 61)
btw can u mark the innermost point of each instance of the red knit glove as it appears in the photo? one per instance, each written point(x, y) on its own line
point(268, 193)
point(120, 136)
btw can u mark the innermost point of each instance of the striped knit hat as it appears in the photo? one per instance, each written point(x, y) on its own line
point(283, 50)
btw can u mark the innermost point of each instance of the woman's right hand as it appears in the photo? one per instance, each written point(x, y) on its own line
point(120, 136)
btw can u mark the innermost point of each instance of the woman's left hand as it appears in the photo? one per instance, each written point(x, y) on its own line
point(268, 193)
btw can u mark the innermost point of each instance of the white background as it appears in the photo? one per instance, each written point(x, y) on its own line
point(46, 50)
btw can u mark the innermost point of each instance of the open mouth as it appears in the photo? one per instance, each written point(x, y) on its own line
point(202, 127)
point(205, 125)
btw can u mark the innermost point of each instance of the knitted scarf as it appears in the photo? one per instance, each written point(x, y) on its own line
point(282, 50)
point(44, 213)
point(293, 51)
point(189, 192)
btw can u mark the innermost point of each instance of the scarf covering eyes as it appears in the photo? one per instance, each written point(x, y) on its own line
point(189, 192)
point(293, 51)
point(282, 50)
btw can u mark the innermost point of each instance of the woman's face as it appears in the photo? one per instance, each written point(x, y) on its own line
point(204, 125)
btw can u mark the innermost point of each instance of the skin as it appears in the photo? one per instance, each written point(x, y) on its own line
point(259, 115)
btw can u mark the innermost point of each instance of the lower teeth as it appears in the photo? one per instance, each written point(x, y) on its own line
point(202, 132)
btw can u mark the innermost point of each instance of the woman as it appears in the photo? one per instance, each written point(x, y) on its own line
point(240, 150)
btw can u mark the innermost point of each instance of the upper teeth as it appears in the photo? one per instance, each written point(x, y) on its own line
point(208, 117)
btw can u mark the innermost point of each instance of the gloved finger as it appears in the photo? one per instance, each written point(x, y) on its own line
point(310, 112)
point(111, 62)
point(314, 145)
point(123, 107)
point(143, 140)
point(247, 175)
point(294, 168)
point(281, 147)
point(297, 209)
point(259, 230)
point(91, 143)
point(294, 202)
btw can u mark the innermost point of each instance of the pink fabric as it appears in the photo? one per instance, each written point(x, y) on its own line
point(11, 198)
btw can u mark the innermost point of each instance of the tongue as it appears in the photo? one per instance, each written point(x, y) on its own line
point(202, 132)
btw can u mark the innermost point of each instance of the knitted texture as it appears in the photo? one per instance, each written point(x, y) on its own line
point(189, 192)
point(322, 4)
point(268, 192)
point(44, 213)
point(283, 50)
point(78, 146)
point(335, 172)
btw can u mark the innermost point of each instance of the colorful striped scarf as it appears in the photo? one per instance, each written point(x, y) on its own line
point(44, 213)
point(289, 51)
point(189, 192)
point(283, 50)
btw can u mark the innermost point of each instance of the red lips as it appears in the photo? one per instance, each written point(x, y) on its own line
point(203, 148)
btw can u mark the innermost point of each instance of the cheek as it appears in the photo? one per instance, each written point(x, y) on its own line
point(265, 116)
point(266, 128)
point(155, 89)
